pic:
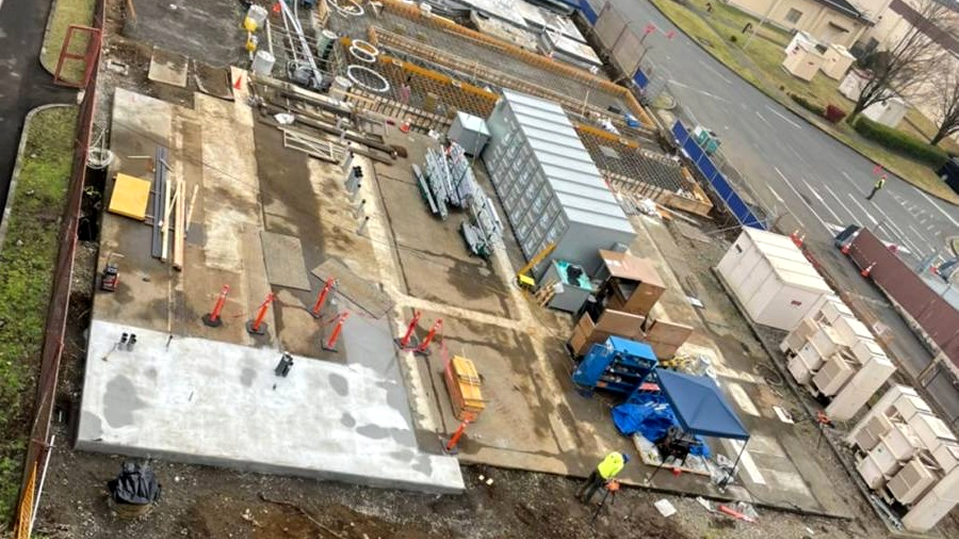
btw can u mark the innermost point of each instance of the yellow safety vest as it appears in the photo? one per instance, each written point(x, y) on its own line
point(611, 465)
point(880, 183)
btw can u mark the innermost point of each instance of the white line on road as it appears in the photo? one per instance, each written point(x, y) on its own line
point(887, 221)
point(869, 215)
point(765, 121)
point(821, 201)
point(714, 72)
point(698, 91)
point(940, 210)
point(787, 120)
point(793, 189)
point(799, 156)
point(851, 214)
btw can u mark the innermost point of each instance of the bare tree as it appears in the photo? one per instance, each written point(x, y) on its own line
point(902, 66)
point(946, 101)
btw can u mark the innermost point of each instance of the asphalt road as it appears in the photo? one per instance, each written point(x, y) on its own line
point(24, 84)
point(793, 167)
point(790, 164)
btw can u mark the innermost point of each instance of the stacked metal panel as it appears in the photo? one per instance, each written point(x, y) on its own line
point(550, 188)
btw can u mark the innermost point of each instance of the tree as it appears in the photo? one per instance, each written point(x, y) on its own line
point(947, 102)
point(906, 63)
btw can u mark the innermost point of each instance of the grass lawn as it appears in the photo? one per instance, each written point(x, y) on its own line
point(760, 64)
point(27, 262)
point(65, 13)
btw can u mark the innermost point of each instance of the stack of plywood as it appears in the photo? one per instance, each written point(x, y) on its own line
point(610, 323)
point(463, 384)
point(666, 337)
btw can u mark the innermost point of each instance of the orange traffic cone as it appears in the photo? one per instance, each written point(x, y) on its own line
point(845, 249)
point(238, 85)
point(405, 126)
point(868, 270)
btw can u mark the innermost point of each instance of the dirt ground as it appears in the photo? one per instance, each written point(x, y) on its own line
point(202, 502)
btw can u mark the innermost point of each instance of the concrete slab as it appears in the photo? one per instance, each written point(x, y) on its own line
point(283, 256)
point(168, 68)
point(221, 404)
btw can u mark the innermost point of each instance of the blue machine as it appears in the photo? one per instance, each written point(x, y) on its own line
point(618, 366)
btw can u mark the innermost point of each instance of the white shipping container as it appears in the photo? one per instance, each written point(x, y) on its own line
point(901, 441)
point(908, 405)
point(835, 372)
point(927, 512)
point(882, 407)
point(833, 308)
point(799, 371)
point(947, 456)
point(811, 356)
point(827, 340)
point(797, 337)
point(772, 279)
point(931, 430)
point(871, 473)
point(885, 460)
point(864, 349)
point(860, 388)
point(911, 482)
point(851, 329)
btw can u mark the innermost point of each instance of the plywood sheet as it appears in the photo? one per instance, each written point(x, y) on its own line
point(283, 256)
point(130, 197)
point(355, 288)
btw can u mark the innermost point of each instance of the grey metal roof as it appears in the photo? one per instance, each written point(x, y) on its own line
point(568, 168)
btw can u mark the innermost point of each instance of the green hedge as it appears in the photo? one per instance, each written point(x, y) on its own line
point(811, 106)
point(902, 143)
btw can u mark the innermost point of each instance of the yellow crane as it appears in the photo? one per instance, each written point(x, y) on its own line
point(527, 281)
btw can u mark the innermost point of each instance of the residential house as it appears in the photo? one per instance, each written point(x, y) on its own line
point(842, 22)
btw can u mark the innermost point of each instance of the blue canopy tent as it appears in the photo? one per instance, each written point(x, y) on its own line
point(701, 408)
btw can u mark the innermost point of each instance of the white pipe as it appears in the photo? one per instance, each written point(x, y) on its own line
point(43, 476)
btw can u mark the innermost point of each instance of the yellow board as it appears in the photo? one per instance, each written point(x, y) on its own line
point(130, 197)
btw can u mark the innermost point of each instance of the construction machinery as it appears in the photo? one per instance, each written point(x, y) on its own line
point(523, 279)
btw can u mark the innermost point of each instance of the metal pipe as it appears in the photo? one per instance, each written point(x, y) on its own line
point(43, 477)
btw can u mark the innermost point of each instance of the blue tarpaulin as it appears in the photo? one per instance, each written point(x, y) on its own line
point(700, 406)
point(651, 416)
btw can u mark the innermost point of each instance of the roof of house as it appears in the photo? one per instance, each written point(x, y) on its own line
point(843, 6)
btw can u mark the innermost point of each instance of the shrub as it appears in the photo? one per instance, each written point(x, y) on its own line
point(811, 106)
point(733, 38)
point(834, 114)
point(902, 143)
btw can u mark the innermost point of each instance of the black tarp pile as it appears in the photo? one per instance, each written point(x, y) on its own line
point(135, 485)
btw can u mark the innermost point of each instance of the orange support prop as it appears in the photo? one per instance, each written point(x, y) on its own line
point(256, 326)
point(212, 318)
point(455, 438)
point(330, 344)
point(423, 348)
point(321, 298)
point(405, 341)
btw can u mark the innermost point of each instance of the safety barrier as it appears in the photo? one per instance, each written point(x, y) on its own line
point(723, 189)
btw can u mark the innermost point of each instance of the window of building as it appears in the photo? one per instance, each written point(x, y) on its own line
point(793, 16)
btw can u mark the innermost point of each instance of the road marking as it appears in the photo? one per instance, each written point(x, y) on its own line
point(713, 70)
point(869, 215)
point(851, 214)
point(821, 201)
point(793, 189)
point(940, 210)
point(887, 221)
point(799, 156)
point(698, 91)
point(765, 121)
point(775, 194)
point(785, 119)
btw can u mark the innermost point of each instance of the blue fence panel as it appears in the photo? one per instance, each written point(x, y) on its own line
point(588, 12)
point(641, 79)
point(718, 182)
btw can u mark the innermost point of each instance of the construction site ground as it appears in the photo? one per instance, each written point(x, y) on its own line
point(402, 260)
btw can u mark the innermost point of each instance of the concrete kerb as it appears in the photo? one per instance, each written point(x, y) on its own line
point(46, 33)
point(797, 113)
point(794, 388)
point(18, 166)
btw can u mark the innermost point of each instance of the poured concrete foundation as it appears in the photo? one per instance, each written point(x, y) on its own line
point(207, 402)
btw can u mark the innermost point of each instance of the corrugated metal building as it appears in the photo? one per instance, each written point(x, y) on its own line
point(550, 188)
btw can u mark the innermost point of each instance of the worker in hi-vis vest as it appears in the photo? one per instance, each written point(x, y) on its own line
point(880, 183)
point(604, 472)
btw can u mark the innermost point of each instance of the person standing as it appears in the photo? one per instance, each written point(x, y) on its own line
point(880, 183)
point(606, 470)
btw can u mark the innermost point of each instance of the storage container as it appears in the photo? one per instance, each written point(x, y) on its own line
point(931, 430)
point(835, 372)
point(798, 337)
point(551, 190)
point(912, 481)
point(771, 279)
